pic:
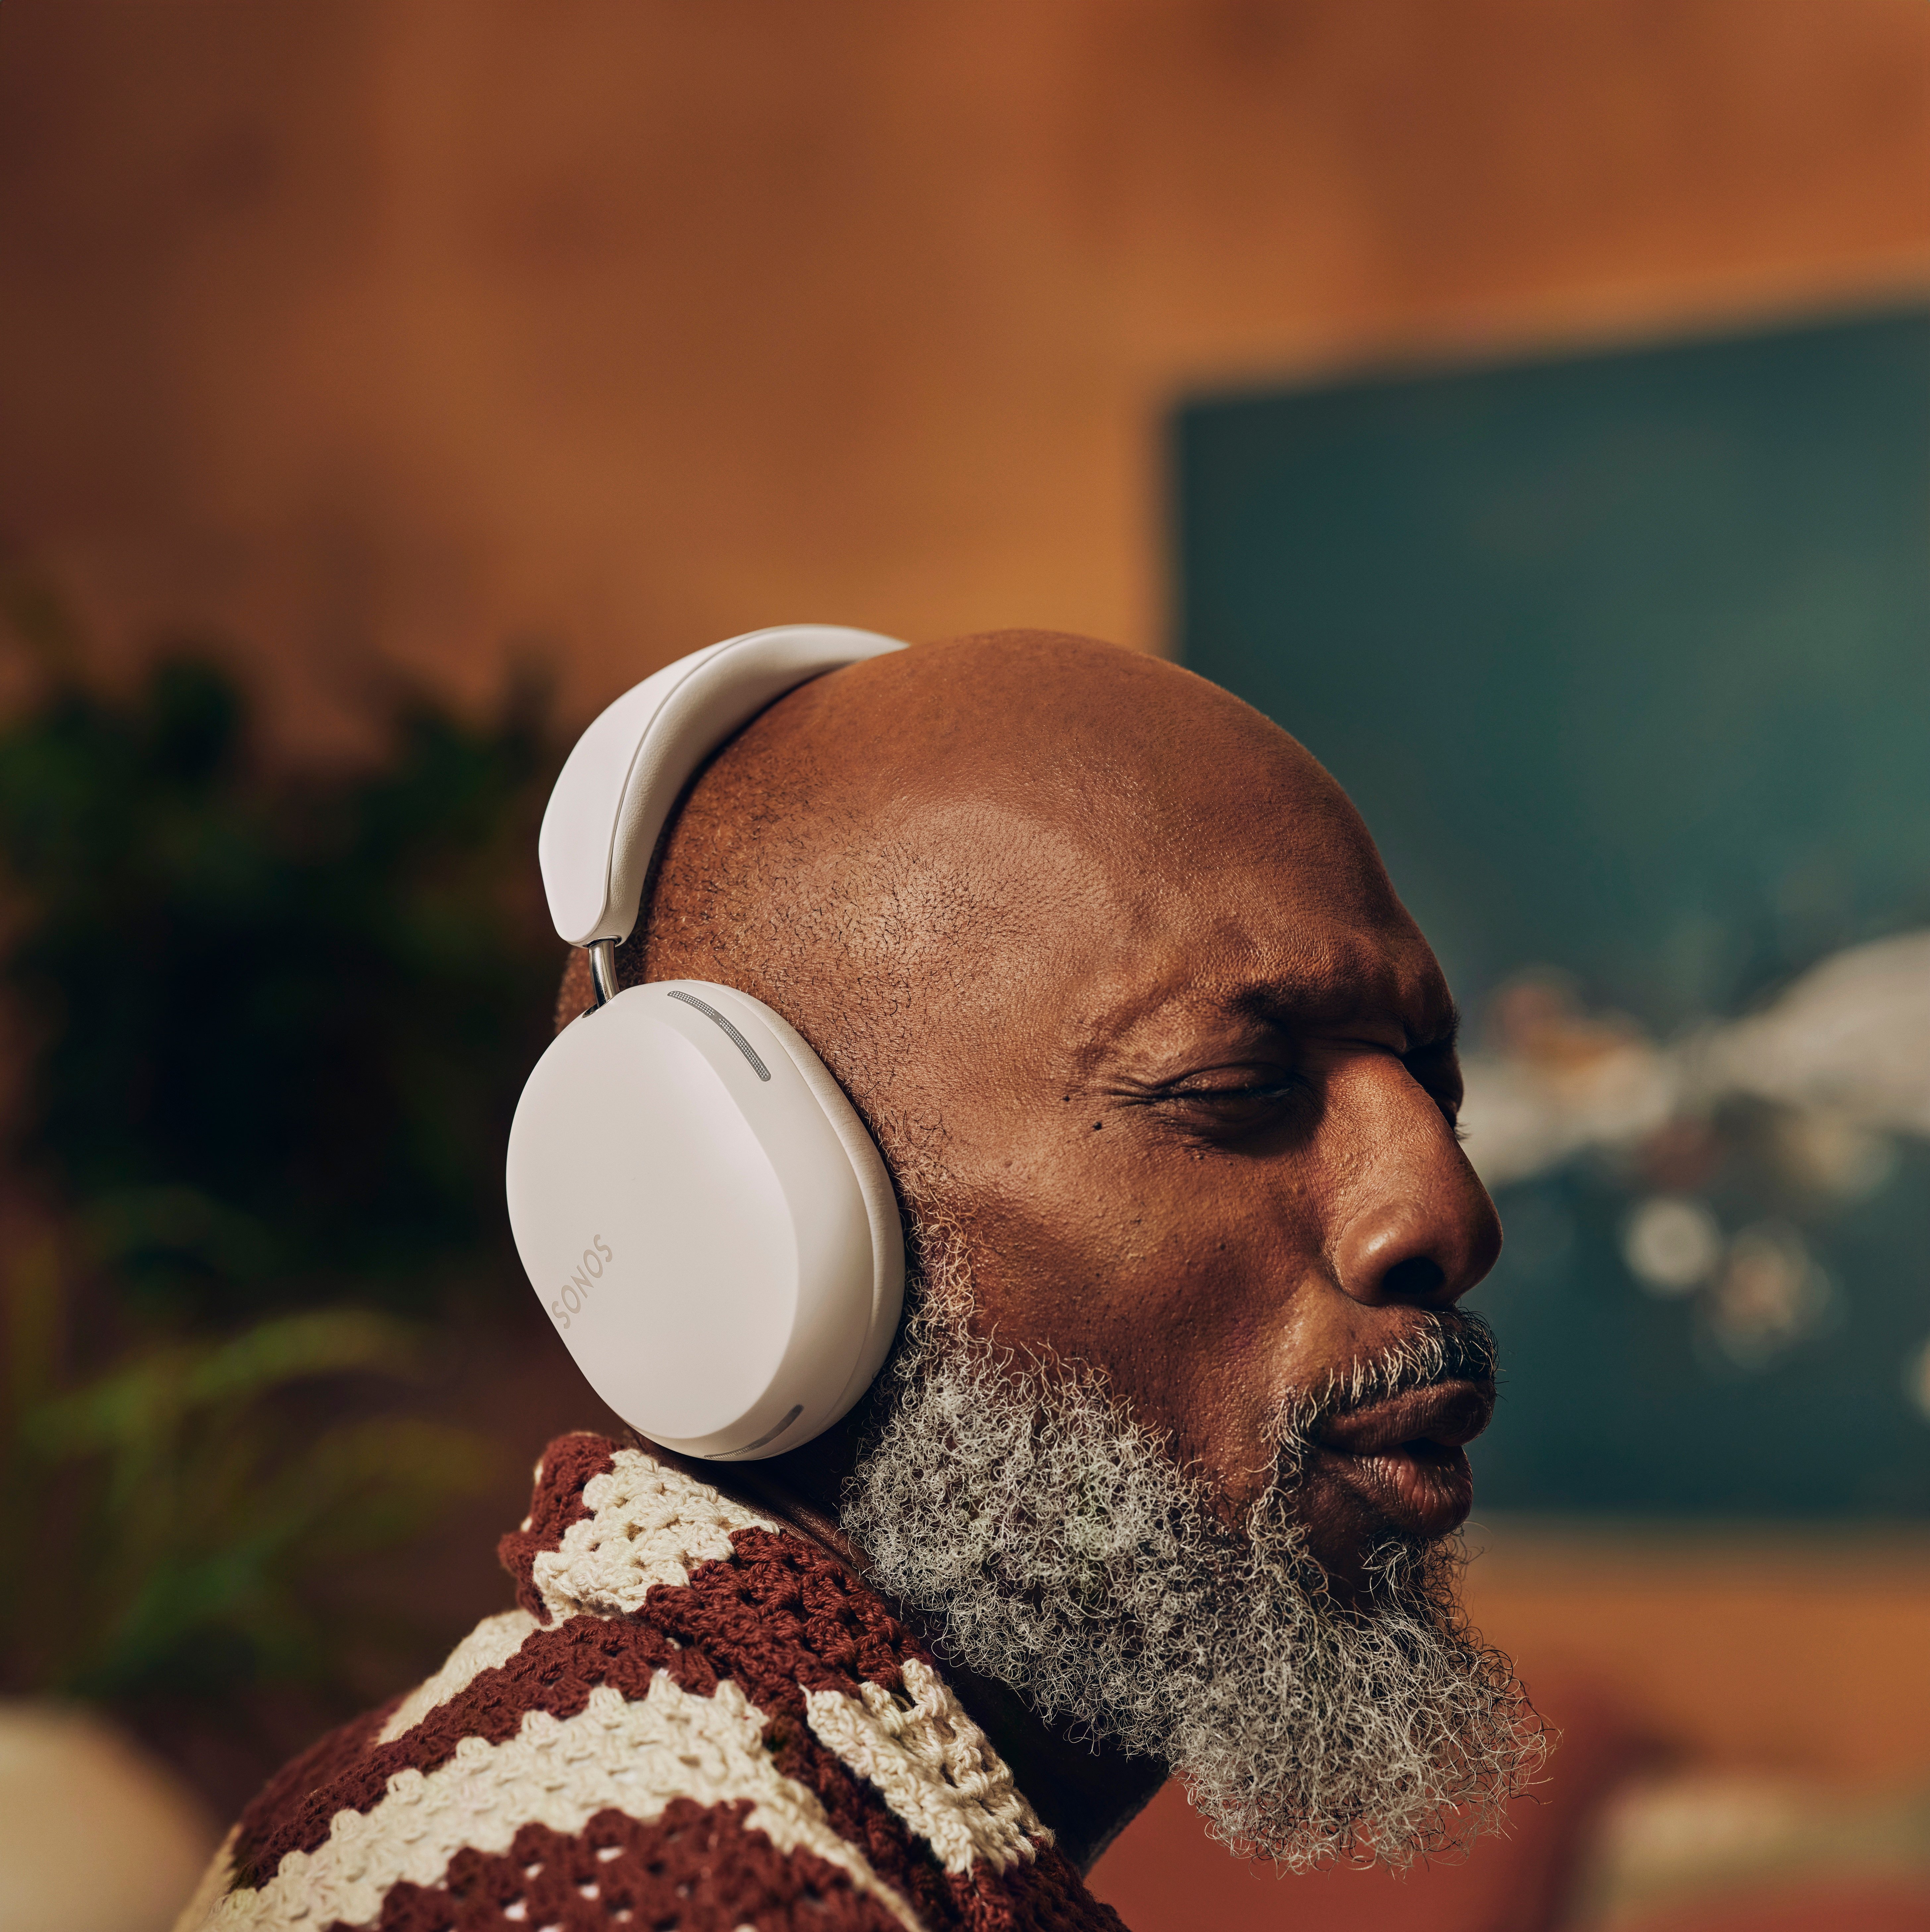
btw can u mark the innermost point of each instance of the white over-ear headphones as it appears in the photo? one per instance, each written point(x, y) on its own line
point(700, 1210)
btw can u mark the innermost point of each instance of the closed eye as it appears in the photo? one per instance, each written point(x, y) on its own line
point(1228, 1102)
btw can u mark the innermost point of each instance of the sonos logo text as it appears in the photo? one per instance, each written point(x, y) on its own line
point(576, 1291)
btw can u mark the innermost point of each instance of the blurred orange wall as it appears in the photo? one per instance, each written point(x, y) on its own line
point(1792, 1650)
point(420, 327)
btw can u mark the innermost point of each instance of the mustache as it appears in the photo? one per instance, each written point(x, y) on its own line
point(1449, 1345)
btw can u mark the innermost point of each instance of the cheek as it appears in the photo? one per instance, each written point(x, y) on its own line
point(1186, 1281)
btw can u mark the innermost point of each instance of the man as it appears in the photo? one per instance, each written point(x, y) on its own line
point(1162, 1475)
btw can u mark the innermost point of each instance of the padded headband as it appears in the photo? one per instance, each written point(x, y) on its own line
point(618, 787)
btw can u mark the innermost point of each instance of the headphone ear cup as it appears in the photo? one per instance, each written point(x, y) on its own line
point(705, 1220)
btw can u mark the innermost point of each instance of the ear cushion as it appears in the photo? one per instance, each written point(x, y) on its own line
point(867, 1167)
point(705, 1220)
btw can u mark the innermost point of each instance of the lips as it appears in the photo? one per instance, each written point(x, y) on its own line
point(1403, 1456)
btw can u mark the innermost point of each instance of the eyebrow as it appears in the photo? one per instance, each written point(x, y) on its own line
point(1293, 1004)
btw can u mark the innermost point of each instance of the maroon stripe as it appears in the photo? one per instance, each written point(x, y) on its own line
point(1045, 1895)
point(293, 1799)
point(697, 1868)
point(782, 1618)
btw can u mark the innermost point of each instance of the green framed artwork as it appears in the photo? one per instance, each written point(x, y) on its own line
point(1625, 657)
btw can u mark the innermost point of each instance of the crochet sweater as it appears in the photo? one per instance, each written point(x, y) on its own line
point(695, 1721)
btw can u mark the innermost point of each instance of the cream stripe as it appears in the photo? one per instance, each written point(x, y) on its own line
point(934, 1767)
point(635, 1758)
point(487, 1647)
point(648, 1525)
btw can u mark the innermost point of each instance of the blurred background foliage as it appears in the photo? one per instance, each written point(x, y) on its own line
point(185, 1507)
point(271, 1023)
point(265, 1025)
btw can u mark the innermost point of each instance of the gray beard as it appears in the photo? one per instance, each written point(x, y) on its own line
point(1050, 1540)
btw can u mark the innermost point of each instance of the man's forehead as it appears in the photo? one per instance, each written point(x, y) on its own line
point(1107, 835)
point(1118, 925)
point(1380, 983)
point(1243, 816)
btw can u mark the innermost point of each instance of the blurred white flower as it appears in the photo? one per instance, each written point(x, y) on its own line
point(1671, 1245)
point(1770, 1293)
point(1844, 1052)
point(1564, 1081)
point(1820, 1149)
point(1850, 1037)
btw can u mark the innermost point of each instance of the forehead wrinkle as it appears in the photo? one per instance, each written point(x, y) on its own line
point(1349, 978)
point(1357, 981)
point(1284, 938)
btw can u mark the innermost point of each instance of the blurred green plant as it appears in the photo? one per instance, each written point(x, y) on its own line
point(272, 1023)
point(167, 1517)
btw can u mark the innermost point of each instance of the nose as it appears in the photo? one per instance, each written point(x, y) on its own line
point(1415, 1225)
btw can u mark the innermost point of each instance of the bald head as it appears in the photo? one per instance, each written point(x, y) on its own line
point(895, 856)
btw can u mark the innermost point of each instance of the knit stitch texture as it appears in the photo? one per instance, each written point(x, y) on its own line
point(695, 1721)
